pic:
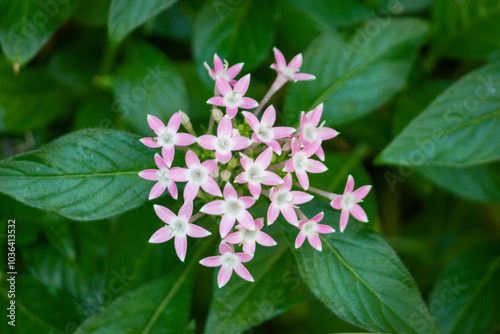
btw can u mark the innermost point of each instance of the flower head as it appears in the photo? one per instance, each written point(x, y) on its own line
point(232, 208)
point(348, 203)
point(289, 72)
point(167, 136)
point(309, 229)
point(196, 175)
point(178, 227)
point(264, 131)
point(231, 98)
point(224, 142)
point(248, 237)
point(228, 260)
point(222, 70)
point(284, 200)
point(160, 175)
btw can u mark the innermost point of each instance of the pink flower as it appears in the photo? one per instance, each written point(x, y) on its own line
point(168, 137)
point(284, 200)
point(224, 142)
point(264, 131)
point(222, 71)
point(231, 98)
point(228, 261)
point(348, 203)
point(196, 175)
point(178, 227)
point(255, 173)
point(301, 164)
point(232, 208)
point(311, 132)
point(160, 175)
point(309, 229)
point(289, 73)
point(248, 237)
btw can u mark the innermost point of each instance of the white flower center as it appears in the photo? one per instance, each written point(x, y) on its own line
point(166, 138)
point(288, 73)
point(233, 99)
point(223, 143)
point(264, 132)
point(255, 173)
point(250, 236)
point(282, 199)
point(309, 228)
point(197, 175)
point(178, 227)
point(309, 133)
point(234, 207)
point(230, 260)
point(162, 177)
point(348, 200)
point(300, 161)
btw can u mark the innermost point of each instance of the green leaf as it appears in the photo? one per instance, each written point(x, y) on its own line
point(240, 31)
point(466, 29)
point(126, 15)
point(240, 305)
point(92, 12)
point(132, 312)
point(465, 116)
point(85, 175)
point(356, 74)
point(30, 99)
point(466, 298)
point(148, 83)
point(390, 7)
point(26, 25)
point(361, 279)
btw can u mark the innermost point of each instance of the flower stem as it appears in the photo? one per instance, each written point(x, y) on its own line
point(301, 214)
point(250, 148)
point(277, 84)
point(277, 166)
point(210, 124)
point(320, 192)
point(196, 216)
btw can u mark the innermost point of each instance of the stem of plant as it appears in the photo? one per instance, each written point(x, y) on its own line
point(277, 84)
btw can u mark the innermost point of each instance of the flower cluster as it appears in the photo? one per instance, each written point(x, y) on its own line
point(254, 155)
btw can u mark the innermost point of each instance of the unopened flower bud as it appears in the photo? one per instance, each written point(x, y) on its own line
point(185, 120)
point(236, 133)
point(225, 175)
point(215, 173)
point(287, 146)
point(217, 114)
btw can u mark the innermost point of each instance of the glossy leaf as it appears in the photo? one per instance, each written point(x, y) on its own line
point(357, 74)
point(27, 25)
point(126, 15)
point(86, 175)
point(466, 298)
point(361, 279)
point(466, 115)
point(148, 83)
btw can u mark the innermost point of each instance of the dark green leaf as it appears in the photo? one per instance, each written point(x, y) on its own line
point(361, 279)
point(92, 12)
point(85, 175)
point(126, 15)
point(26, 25)
point(356, 74)
point(466, 115)
point(148, 83)
point(466, 298)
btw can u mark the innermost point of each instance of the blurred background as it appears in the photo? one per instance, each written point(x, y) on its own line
point(74, 64)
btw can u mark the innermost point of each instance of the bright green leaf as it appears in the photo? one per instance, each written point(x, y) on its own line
point(85, 175)
point(356, 74)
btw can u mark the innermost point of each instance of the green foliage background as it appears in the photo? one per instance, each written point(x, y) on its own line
point(413, 87)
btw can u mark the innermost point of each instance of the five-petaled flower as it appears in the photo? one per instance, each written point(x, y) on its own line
point(228, 260)
point(348, 203)
point(255, 173)
point(310, 229)
point(222, 70)
point(233, 98)
point(248, 237)
point(160, 175)
point(178, 227)
point(289, 72)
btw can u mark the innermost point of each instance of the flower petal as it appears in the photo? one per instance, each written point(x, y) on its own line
point(149, 174)
point(271, 179)
point(244, 257)
point(218, 65)
point(234, 238)
point(248, 103)
point(208, 142)
point(296, 62)
point(211, 261)
point(223, 156)
point(172, 189)
point(265, 240)
point(223, 86)
point(162, 235)
point(255, 189)
point(358, 213)
point(264, 159)
point(246, 219)
point(239, 143)
point(190, 192)
point(247, 201)
point(272, 214)
point(323, 229)
point(229, 191)
point(315, 115)
point(361, 192)
point(184, 139)
point(225, 248)
point(225, 126)
point(315, 241)
point(280, 59)
point(231, 111)
point(156, 124)
point(216, 207)
point(211, 187)
point(160, 163)
point(344, 218)
point(269, 116)
point(224, 276)
point(217, 101)
point(149, 142)
point(180, 242)
point(174, 122)
point(210, 165)
point(242, 84)
point(186, 211)
point(318, 217)
point(282, 132)
point(300, 239)
point(316, 167)
point(311, 148)
point(164, 213)
point(350, 185)
point(168, 153)
point(251, 120)
point(226, 224)
point(157, 190)
point(195, 231)
point(326, 133)
point(242, 178)
point(249, 247)
point(243, 272)
point(287, 184)
point(303, 178)
point(178, 174)
point(234, 70)
point(192, 159)
point(290, 215)
point(303, 76)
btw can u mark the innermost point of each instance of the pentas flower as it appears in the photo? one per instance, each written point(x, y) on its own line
point(228, 260)
point(301, 164)
point(248, 237)
point(232, 208)
point(178, 227)
point(289, 72)
point(196, 175)
point(348, 203)
point(222, 70)
point(168, 137)
point(264, 131)
point(160, 175)
point(231, 98)
point(224, 142)
point(284, 200)
point(255, 173)
point(310, 229)
point(311, 131)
